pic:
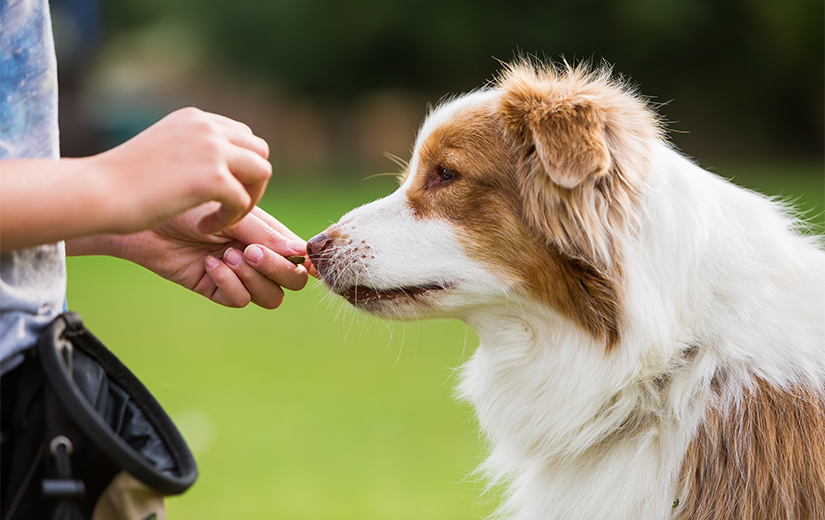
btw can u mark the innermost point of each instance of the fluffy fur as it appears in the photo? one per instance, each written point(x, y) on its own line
point(652, 336)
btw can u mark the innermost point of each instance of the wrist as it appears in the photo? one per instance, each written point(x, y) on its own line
point(103, 195)
point(107, 244)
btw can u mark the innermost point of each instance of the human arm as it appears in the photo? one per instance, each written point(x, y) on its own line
point(188, 158)
point(145, 201)
point(241, 264)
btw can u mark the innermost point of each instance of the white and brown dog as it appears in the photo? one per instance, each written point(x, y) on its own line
point(652, 336)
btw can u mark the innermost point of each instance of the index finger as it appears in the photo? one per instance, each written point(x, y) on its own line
point(247, 140)
point(253, 230)
point(241, 134)
point(285, 231)
point(275, 224)
point(235, 202)
point(228, 121)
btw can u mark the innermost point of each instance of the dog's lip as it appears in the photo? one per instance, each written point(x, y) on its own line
point(364, 295)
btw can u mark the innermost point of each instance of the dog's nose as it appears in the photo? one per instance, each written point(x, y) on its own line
point(318, 243)
point(315, 247)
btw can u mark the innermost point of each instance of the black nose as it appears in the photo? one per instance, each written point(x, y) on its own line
point(319, 243)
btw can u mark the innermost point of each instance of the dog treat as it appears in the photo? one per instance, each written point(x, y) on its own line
point(296, 259)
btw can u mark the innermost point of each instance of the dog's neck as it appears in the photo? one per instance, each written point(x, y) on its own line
point(568, 420)
point(563, 416)
point(563, 391)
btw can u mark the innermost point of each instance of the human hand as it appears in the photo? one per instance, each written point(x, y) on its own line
point(187, 158)
point(241, 264)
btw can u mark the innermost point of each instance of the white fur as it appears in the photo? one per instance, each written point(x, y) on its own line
point(707, 264)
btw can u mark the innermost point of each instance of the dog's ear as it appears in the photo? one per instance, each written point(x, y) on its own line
point(566, 131)
point(581, 143)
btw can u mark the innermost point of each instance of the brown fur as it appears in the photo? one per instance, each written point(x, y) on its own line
point(543, 174)
point(583, 142)
point(760, 457)
point(567, 133)
point(485, 200)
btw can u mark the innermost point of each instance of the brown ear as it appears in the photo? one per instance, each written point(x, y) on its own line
point(568, 135)
point(570, 143)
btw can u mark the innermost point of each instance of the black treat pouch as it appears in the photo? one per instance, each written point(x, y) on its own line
point(82, 438)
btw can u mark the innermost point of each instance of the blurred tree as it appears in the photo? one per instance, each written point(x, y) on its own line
point(749, 69)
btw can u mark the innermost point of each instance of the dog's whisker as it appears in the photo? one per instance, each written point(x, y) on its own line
point(400, 347)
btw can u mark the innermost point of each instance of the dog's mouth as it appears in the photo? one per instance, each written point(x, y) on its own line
point(363, 296)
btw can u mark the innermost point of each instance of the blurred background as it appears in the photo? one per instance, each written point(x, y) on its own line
point(314, 411)
point(333, 85)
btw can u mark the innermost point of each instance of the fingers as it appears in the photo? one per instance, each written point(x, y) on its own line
point(274, 267)
point(227, 122)
point(274, 234)
point(250, 174)
point(259, 273)
point(235, 201)
point(247, 140)
point(233, 164)
point(240, 134)
point(273, 223)
point(229, 290)
point(256, 276)
point(251, 169)
point(276, 237)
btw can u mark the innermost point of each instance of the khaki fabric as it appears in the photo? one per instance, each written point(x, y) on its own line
point(127, 498)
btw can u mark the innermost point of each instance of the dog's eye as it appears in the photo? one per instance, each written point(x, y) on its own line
point(440, 176)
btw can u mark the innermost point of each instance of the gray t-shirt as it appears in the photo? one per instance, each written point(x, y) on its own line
point(32, 281)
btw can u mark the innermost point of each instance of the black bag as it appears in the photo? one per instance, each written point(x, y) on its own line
point(82, 438)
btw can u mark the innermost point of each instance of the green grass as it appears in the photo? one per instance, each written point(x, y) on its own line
point(312, 410)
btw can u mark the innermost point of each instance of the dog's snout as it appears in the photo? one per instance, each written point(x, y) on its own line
point(315, 249)
point(319, 243)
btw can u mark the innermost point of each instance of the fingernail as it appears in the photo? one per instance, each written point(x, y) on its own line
point(296, 248)
point(233, 257)
point(254, 254)
point(212, 262)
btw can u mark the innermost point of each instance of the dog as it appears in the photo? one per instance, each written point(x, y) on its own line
point(652, 337)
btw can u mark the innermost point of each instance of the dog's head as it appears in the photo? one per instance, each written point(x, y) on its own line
point(522, 190)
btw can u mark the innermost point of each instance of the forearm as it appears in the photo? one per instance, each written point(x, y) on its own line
point(140, 247)
point(44, 201)
point(188, 158)
point(104, 244)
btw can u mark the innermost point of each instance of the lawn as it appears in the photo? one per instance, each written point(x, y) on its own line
point(313, 411)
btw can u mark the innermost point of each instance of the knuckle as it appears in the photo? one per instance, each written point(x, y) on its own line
point(202, 127)
point(273, 237)
point(244, 199)
point(191, 112)
point(217, 176)
point(211, 146)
